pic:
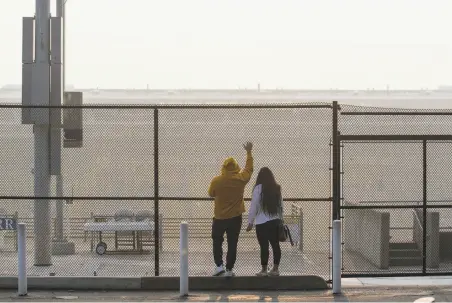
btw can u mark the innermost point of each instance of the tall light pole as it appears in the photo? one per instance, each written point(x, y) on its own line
point(61, 12)
point(60, 245)
point(42, 73)
point(41, 96)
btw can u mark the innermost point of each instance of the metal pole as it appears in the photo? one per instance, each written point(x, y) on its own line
point(337, 256)
point(336, 196)
point(60, 245)
point(41, 78)
point(61, 12)
point(336, 163)
point(59, 178)
point(22, 254)
point(42, 220)
point(183, 259)
point(341, 211)
point(59, 8)
point(64, 46)
point(424, 208)
point(156, 193)
point(59, 235)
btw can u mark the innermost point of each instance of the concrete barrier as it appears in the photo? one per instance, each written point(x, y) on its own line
point(75, 283)
point(238, 283)
point(366, 233)
point(169, 283)
point(432, 245)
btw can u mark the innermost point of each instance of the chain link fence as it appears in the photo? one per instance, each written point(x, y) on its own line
point(396, 196)
point(109, 183)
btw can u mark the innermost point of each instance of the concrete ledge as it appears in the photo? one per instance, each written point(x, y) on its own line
point(237, 283)
point(169, 283)
point(75, 283)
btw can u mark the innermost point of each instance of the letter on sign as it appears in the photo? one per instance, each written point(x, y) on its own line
point(8, 224)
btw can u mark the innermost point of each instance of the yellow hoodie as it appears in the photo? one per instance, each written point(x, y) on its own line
point(228, 188)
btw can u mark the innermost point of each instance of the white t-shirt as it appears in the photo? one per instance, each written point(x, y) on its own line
point(256, 214)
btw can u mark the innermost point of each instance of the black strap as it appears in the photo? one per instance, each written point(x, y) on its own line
point(290, 235)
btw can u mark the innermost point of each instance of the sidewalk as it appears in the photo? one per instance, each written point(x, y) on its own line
point(397, 282)
point(349, 295)
point(354, 290)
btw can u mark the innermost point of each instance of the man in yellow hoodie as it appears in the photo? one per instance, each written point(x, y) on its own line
point(228, 189)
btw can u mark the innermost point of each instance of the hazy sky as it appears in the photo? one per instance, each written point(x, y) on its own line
point(355, 44)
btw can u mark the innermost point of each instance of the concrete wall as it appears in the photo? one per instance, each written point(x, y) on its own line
point(432, 253)
point(366, 232)
point(445, 249)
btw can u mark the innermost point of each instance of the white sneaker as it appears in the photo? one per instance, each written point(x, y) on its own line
point(219, 270)
point(262, 273)
point(229, 273)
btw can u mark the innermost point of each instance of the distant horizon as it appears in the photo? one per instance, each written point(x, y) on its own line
point(255, 88)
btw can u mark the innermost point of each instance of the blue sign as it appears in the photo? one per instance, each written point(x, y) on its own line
point(8, 224)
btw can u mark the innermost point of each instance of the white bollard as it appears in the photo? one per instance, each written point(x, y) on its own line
point(22, 254)
point(184, 259)
point(337, 256)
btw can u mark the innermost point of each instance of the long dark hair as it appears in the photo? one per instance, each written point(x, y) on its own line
point(271, 191)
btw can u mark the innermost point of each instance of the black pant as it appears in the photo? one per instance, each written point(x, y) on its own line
point(232, 229)
point(268, 233)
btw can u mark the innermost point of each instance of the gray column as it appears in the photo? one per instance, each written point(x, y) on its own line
point(41, 95)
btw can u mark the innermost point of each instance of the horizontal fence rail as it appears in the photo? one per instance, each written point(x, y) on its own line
point(178, 106)
point(397, 113)
point(147, 198)
point(346, 138)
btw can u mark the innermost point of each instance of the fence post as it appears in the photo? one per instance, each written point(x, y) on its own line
point(22, 255)
point(336, 163)
point(16, 216)
point(156, 194)
point(337, 262)
point(424, 206)
point(183, 259)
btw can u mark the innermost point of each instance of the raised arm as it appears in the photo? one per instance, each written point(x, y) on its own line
point(246, 173)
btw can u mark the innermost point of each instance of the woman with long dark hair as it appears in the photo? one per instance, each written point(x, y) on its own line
point(266, 212)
